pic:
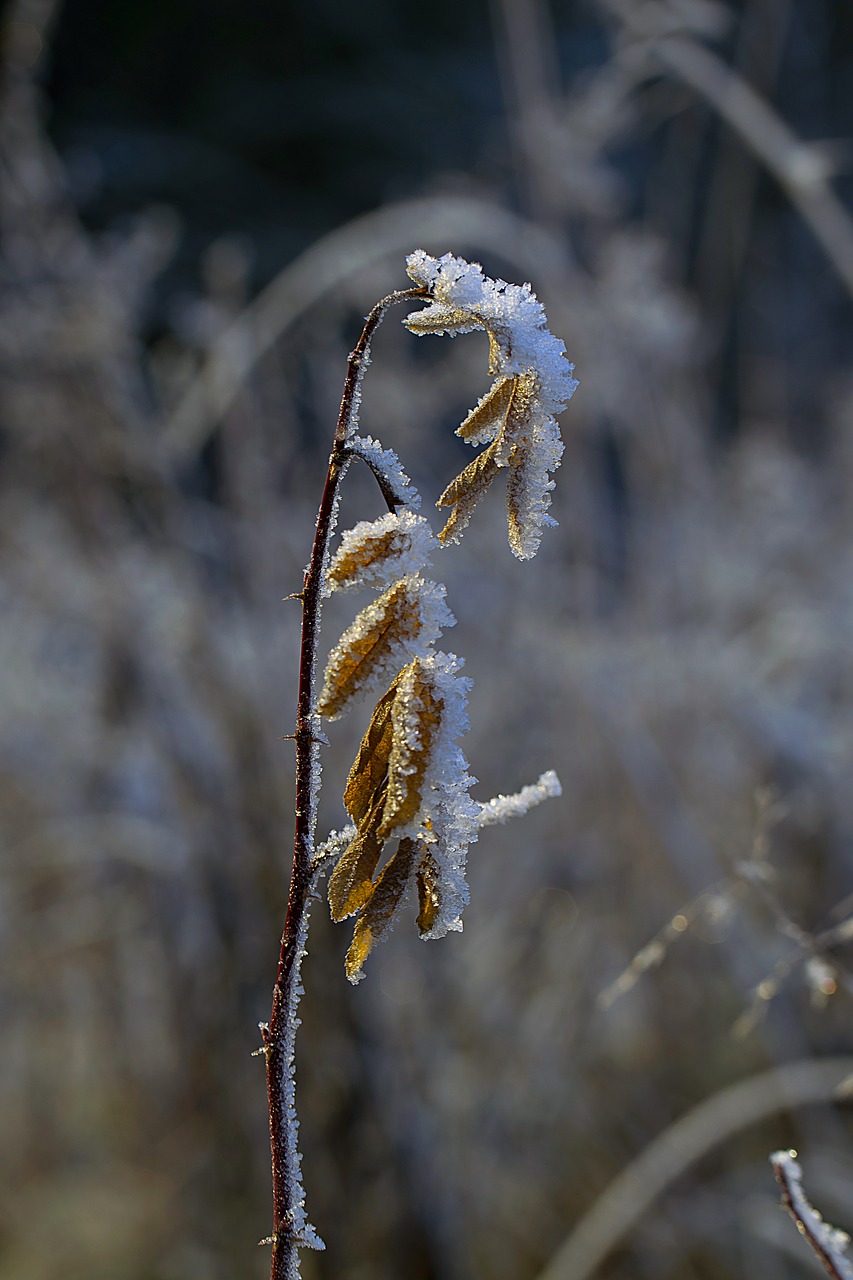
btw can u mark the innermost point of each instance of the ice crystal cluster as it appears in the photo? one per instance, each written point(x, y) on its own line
point(516, 418)
point(412, 817)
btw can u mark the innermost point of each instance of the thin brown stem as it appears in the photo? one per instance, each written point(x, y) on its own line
point(290, 1227)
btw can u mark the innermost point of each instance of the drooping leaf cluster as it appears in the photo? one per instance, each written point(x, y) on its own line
point(408, 789)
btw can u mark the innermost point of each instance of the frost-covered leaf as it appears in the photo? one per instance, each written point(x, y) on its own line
point(463, 493)
point(401, 624)
point(448, 819)
point(529, 486)
point(522, 350)
point(370, 769)
point(351, 882)
point(410, 781)
point(377, 552)
point(377, 918)
point(415, 716)
point(486, 420)
point(429, 895)
point(437, 318)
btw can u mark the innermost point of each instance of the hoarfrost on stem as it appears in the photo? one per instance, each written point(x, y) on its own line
point(385, 462)
point(502, 808)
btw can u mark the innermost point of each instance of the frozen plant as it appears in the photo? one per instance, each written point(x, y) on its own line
point(408, 792)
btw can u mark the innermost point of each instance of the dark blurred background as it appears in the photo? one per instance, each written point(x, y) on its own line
point(198, 205)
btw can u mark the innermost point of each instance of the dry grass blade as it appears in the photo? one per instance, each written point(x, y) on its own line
point(377, 917)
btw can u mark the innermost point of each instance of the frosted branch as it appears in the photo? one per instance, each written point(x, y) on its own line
point(386, 466)
point(827, 1242)
point(331, 849)
point(502, 808)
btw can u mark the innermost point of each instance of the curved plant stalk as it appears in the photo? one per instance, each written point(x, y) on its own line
point(291, 1230)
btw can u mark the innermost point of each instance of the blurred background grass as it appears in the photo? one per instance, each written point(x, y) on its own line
point(198, 203)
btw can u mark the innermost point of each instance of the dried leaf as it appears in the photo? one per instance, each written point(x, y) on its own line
point(371, 764)
point(515, 494)
point(466, 490)
point(351, 882)
point(438, 318)
point(378, 915)
point(347, 566)
point(370, 645)
point(376, 553)
point(415, 715)
point(485, 422)
point(429, 899)
point(500, 346)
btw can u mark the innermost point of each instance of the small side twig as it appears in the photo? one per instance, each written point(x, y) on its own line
point(826, 1242)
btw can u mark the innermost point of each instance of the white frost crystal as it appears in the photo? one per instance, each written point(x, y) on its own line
point(526, 354)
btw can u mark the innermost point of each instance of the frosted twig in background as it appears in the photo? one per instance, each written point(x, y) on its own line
point(827, 1243)
point(630, 1196)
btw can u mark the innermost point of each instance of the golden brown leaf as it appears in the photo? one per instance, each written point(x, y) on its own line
point(367, 643)
point(415, 716)
point(351, 882)
point(371, 764)
point(441, 318)
point(514, 496)
point(486, 420)
point(463, 493)
point(429, 899)
point(500, 346)
point(347, 565)
point(376, 919)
